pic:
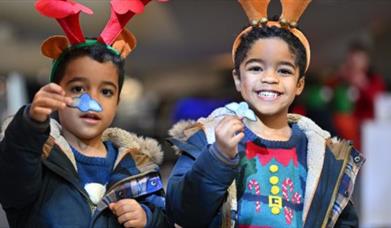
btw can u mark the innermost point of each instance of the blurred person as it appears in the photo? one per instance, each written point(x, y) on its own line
point(355, 88)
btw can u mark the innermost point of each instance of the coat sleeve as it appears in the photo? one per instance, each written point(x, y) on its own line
point(20, 160)
point(198, 184)
point(348, 217)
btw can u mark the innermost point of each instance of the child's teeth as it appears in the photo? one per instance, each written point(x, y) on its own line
point(268, 94)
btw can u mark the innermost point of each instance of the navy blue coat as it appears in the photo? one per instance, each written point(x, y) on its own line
point(198, 191)
point(40, 184)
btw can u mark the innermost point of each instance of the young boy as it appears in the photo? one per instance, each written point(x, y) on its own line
point(77, 172)
point(252, 164)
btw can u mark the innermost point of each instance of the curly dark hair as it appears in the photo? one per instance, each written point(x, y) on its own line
point(256, 33)
point(98, 52)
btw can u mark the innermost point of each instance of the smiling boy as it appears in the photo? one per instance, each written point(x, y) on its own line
point(253, 164)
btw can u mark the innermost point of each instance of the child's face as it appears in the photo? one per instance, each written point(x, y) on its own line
point(269, 77)
point(100, 80)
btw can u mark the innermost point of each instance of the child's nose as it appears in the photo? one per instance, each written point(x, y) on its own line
point(94, 95)
point(270, 76)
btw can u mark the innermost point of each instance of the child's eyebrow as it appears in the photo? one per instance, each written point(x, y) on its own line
point(254, 61)
point(82, 79)
point(75, 79)
point(287, 63)
point(109, 83)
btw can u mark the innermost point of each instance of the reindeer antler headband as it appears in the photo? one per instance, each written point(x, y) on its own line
point(117, 39)
point(256, 11)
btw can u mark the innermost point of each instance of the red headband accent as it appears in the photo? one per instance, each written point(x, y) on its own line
point(66, 12)
point(121, 12)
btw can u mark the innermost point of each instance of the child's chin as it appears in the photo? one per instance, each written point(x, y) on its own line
point(267, 112)
point(88, 134)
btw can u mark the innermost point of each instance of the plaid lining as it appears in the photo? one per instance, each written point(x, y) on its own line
point(346, 187)
point(132, 189)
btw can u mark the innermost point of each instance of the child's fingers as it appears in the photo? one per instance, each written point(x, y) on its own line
point(49, 102)
point(133, 223)
point(54, 88)
point(123, 206)
point(228, 119)
point(123, 209)
point(234, 130)
point(227, 123)
point(236, 139)
point(231, 129)
point(127, 217)
point(68, 100)
point(55, 96)
point(129, 213)
point(42, 111)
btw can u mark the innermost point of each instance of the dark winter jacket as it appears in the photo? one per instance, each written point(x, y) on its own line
point(40, 184)
point(201, 191)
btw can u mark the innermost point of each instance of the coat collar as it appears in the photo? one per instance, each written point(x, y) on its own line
point(146, 149)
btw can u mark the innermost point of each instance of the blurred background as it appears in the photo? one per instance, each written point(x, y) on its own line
point(181, 69)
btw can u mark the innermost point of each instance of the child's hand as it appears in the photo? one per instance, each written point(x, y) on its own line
point(48, 99)
point(129, 213)
point(229, 132)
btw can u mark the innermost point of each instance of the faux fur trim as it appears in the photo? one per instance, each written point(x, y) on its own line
point(183, 130)
point(123, 140)
point(4, 126)
point(230, 205)
point(178, 130)
point(315, 156)
point(55, 133)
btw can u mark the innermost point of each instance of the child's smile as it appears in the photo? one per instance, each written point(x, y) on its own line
point(269, 77)
point(268, 95)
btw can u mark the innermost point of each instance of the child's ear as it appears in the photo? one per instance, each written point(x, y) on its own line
point(300, 86)
point(236, 77)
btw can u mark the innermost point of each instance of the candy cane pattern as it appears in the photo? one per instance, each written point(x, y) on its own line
point(287, 186)
point(254, 184)
point(288, 215)
point(296, 198)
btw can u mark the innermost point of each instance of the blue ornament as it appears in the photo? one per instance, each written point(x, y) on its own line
point(241, 110)
point(86, 103)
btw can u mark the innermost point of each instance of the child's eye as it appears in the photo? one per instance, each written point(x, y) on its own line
point(255, 68)
point(285, 71)
point(107, 92)
point(77, 89)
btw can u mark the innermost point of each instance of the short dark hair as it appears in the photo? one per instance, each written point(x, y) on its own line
point(98, 52)
point(264, 32)
point(358, 46)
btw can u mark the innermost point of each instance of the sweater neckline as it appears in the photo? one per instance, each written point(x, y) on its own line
point(291, 142)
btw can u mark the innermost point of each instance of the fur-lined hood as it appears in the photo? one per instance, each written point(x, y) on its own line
point(145, 151)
